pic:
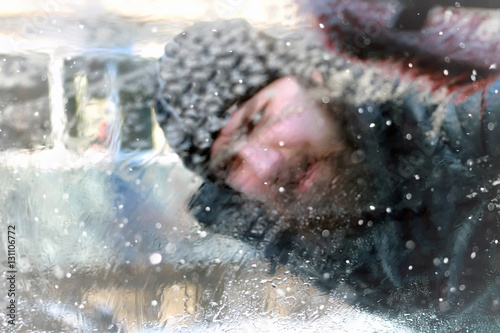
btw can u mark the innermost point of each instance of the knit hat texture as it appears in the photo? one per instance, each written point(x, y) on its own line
point(212, 67)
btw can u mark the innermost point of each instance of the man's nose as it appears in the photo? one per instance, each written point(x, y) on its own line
point(264, 161)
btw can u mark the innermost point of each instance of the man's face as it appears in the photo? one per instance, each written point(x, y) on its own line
point(276, 145)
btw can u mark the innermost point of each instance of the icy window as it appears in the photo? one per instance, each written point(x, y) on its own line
point(220, 179)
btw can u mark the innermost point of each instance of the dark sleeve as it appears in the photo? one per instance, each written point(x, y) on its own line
point(223, 210)
point(210, 201)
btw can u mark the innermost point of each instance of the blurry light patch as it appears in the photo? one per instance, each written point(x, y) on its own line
point(155, 258)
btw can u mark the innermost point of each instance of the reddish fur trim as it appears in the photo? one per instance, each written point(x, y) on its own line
point(453, 45)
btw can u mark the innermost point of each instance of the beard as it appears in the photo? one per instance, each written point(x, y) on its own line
point(344, 188)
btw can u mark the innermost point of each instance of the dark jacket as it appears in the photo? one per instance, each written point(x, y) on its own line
point(431, 243)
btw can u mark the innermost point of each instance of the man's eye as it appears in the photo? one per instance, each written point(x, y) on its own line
point(256, 119)
point(227, 166)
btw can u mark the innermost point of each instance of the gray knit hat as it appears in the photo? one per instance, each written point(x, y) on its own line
point(213, 66)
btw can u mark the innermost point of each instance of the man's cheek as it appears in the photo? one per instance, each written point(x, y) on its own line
point(289, 132)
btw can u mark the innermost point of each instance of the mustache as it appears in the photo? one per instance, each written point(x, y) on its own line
point(290, 176)
point(288, 173)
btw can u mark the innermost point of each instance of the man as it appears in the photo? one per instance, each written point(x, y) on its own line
point(358, 182)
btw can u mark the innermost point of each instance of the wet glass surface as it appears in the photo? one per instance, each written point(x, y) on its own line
point(94, 203)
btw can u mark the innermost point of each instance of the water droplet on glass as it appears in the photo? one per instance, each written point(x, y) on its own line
point(155, 258)
point(410, 245)
point(170, 248)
